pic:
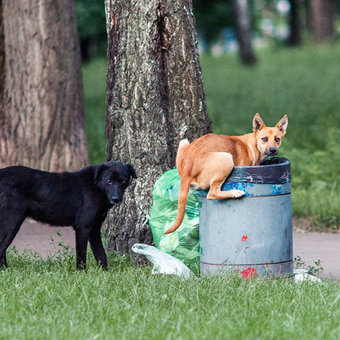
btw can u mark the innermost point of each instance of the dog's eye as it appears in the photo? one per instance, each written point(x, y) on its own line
point(277, 139)
point(265, 139)
point(124, 182)
point(109, 181)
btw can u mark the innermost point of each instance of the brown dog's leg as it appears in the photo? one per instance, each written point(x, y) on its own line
point(215, 192)
point(219, 166)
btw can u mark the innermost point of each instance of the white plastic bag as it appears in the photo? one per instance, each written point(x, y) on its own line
point(163, 263)
point(301, 275)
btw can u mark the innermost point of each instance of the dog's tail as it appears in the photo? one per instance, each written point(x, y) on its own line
point(182, 201)
point(183, 144)
point(183, 189)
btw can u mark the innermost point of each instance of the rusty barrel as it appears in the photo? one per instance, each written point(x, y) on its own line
point(251, 235)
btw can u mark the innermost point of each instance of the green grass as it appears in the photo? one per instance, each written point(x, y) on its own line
point(302, 83)
point(51, 300)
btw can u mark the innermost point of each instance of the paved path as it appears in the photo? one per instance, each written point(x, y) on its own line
point(309, 246)
point(324, 246)
point(36, 236)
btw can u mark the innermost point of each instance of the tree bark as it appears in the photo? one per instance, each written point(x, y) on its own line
point(2, 61)
point(294, 38)
point(243, 31)
point(42, 125)
point(155, 98)
point(322, 12)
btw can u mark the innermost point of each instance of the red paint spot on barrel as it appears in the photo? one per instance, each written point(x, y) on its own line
point(244, 238)
point(249, 273)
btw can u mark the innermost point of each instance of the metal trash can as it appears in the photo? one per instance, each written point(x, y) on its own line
point(252, 234)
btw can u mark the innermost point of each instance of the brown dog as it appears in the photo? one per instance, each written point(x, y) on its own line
point(208, 161)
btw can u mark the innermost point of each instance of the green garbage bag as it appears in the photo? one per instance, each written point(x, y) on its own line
point(184, 242)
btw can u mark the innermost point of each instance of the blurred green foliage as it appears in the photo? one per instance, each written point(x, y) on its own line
point(214, 18)
point(94, 80)
point(91, 27)
point(211, 17)
point(91, 18)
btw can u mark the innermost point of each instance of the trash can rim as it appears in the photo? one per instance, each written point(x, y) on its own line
point(276, 173)
point(285, 162)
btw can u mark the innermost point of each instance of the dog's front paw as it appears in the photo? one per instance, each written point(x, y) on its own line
point(238, 193)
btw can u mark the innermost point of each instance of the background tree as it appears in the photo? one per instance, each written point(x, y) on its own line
point(323, 13)
point(294, 38)
point(155, 98)
point(42, 124)
point(243, 31)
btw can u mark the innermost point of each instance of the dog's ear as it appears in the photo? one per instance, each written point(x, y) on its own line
point(258, 123)
point(131, 170)
point(282, 124)
point(98, 171)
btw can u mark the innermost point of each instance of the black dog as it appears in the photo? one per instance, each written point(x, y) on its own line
point(79, 199)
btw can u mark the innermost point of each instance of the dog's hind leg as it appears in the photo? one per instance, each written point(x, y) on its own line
point(215, 192)
point(218, 167)
point(97, 247)
point(8, 231)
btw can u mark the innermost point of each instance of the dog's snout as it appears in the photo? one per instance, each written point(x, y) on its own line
point(115, 199)
point(272, 151)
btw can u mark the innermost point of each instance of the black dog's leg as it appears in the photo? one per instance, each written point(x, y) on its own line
point(7, 235)
point(82, 237)
point(3, 261)
point(97, 247)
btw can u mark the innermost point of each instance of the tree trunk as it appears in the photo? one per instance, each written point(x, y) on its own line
point(294, 38)
point(155, 98)
point(307, 22)
point(243, 31)
point(2, 61)
point(42, 125)
point(322, 12)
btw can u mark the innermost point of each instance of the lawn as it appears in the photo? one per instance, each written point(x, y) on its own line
point(302, 83)
point(51, 300)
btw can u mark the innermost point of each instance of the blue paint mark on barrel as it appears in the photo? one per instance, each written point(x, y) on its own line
point(252, 234)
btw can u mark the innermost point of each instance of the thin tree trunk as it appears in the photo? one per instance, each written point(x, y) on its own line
point(322, 12)
point(155, 98)
point(42, 125)
point(243, 31)
point(307, 15)
point(294, 38)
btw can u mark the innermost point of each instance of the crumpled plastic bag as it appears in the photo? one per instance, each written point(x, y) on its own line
point(163, 263)
point(301, 275)
point(184, 242)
